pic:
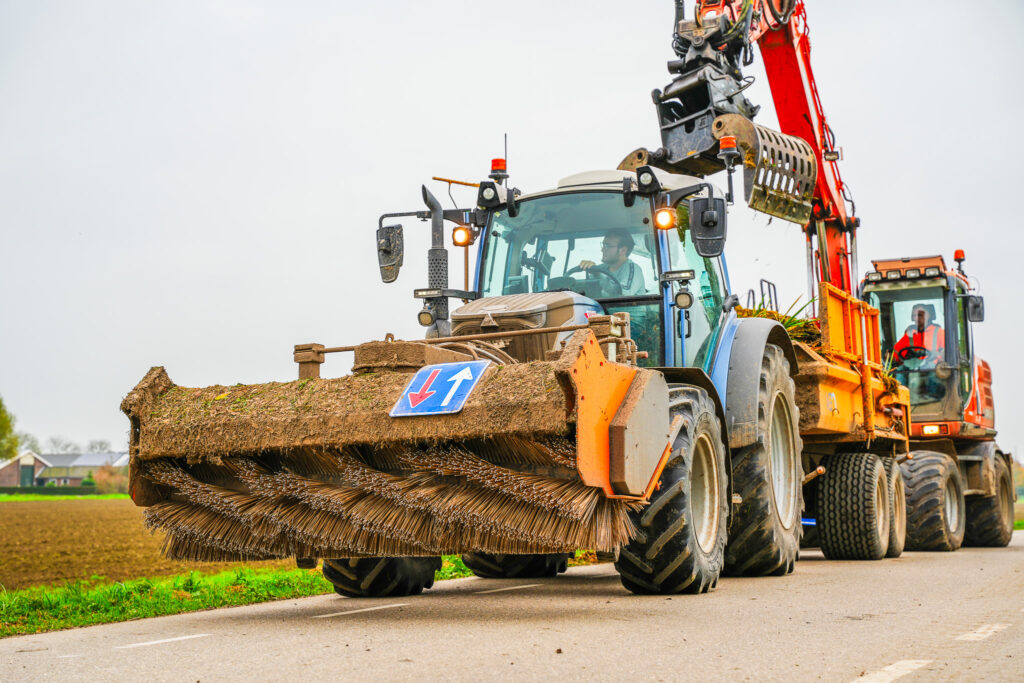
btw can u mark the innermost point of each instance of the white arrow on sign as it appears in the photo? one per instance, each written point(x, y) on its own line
point(459, 377)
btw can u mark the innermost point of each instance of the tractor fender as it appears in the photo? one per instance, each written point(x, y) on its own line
point(742, 361)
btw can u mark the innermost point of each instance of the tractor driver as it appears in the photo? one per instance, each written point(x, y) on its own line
point(923, 334)
point(615, 250)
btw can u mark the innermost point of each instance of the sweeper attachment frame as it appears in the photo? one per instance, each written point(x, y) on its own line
point(544, 456)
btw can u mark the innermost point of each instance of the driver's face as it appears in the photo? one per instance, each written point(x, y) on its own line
point(921, 318)
point(611, 253)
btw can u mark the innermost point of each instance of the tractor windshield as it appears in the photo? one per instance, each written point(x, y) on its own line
point(589, 242)
point(914, 339)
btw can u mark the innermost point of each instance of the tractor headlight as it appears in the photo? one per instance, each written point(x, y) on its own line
point(683, 299)
point(874, 276)
point(913, 272)
point(462, 236)
point(933, 271)
point(665, 218)
point(425, 317)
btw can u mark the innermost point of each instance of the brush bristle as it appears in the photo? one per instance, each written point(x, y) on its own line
point(369, 503)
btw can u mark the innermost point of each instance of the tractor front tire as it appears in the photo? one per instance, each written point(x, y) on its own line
point(853, 507)
point(990, 518)
point(764, 535)
point(935, 502)
point(496, 566)
point(679, 546)
point(380, 577)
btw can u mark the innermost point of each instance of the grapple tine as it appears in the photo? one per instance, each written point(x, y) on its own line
point(779, 171)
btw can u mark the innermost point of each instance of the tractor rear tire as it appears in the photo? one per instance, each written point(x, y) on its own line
point(488, 566)
point(379, 577)
point(679, 546)
point(765, 531)
point(990, 518)
point(897, 508)
point(853, 507)
point(936, 517)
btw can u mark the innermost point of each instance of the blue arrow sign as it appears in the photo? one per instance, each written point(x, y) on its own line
point(439, 389)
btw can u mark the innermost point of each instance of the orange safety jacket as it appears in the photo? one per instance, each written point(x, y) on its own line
point(932, 338)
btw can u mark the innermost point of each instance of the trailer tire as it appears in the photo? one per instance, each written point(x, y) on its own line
point(853, 507)
point(765, 530)
point(379, 577)
point(935, 502)
point(497, 566)
point(679, 546)
point(897, 508)
point(990, 518)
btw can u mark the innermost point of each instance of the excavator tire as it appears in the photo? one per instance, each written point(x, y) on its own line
point(990, 518)
point(764, 534)
point(494, 566)
point(379, 577)
point(853, 507)
point(679, 546)
point(897, 508)
point(935, 502)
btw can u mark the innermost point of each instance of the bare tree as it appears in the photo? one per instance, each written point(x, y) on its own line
point(58, 444)
point(27, 442)
point(99, 446)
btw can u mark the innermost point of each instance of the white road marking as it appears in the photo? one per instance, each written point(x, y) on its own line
point(356, 611)
point(158, 642)
point(894, 671)
point(510, 588)
point(983, 632)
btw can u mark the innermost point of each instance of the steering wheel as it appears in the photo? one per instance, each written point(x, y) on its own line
point(911, 353)
point(613, 286)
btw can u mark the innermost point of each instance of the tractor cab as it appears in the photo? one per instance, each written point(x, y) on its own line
point(925, 317)
point(595, 239)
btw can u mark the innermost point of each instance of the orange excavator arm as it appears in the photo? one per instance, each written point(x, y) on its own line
point(713, 47)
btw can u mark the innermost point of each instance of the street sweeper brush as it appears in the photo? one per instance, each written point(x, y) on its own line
point(541, 457)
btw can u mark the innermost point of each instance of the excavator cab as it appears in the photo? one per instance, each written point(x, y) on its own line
point(926, 312)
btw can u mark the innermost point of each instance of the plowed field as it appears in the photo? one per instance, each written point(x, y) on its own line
point(52, 541)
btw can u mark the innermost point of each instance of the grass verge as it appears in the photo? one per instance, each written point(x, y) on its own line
point(1019, 524)
point(85, 603)
point(27, 497)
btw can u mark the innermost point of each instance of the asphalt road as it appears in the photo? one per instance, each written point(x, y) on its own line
point(922, 617)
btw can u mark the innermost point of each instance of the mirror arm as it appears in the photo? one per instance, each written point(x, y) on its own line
point(673, 197)
point(422, 215)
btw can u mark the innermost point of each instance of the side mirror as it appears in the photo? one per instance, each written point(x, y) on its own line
point(707, 226)
point(975, 309)
point(390, 251)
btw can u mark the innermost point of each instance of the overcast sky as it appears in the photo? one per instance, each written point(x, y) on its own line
point(197, 184)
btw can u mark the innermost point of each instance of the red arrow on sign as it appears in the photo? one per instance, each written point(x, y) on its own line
point(424, 393)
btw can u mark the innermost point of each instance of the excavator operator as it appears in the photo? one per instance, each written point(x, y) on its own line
point(923, 339)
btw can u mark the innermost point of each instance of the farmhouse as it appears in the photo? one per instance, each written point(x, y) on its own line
point(23, 469)
point(70, 469)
